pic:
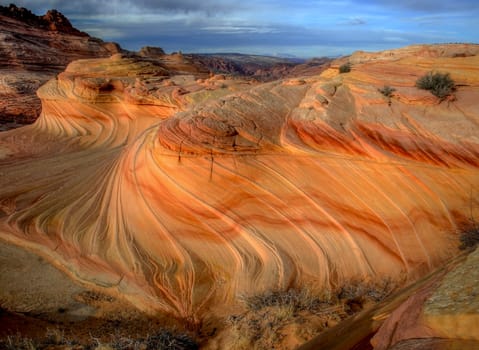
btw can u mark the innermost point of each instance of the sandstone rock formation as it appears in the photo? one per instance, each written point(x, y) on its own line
point(150, 51)
point(33, 49)
point(51, 21)
point(424, 51)
point(402, 321)
point(262, 68)
point(447, 310)
point(183, 193)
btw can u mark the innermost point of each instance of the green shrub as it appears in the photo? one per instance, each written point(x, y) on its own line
point(387, 91)
point(439, 84)
point(345, 68)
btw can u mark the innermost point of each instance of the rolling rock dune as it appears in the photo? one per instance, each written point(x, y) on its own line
point(33, 49)
point(184, 192)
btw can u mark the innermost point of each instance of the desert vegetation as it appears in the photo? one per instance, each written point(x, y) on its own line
point(439, 84)
point(345, 68)
point(56, 339)
point(387, 91)
point(285, 319)
point(469, 236)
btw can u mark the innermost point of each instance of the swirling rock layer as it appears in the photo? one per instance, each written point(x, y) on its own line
point(184, 194)
point(33, 49)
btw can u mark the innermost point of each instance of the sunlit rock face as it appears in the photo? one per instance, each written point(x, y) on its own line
point(445, 309)
point(33, 49)
point(184, 192)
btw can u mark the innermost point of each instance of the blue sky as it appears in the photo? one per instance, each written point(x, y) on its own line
point(303, 28)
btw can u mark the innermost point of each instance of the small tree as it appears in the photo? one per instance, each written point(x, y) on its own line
point(345, 68)
point(439, 84)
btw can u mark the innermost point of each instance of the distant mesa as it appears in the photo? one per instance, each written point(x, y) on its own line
point(53, 20)
point(150, 51)
point(262, 68)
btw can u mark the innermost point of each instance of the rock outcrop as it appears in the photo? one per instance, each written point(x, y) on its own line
point(424, 51)
point(183, 193)
point(150, 51)
point(33, 49)
point(446, 311)
point(52, 21)
point(262, 68)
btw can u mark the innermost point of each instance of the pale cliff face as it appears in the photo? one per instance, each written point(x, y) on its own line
point(184, 193)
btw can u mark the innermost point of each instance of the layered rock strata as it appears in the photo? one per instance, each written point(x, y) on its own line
point(33, 49)
point(183, 193)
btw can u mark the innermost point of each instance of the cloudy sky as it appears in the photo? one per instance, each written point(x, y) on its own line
point(303, 28)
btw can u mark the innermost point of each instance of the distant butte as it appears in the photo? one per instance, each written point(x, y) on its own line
point(52, 20)
point(33, 49)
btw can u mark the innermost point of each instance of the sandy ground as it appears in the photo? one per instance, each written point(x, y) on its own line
point(36, 298)
point(30, 285)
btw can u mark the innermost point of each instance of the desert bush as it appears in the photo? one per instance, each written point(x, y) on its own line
point(53, 338)
point(345, 68)
point(261, 326)
point(387, 90)
point(305, 313)
point(56, 336)
point(18, 342)
point(160, 340)
point(439, 84)
point(168, 340)
point(469, 237)
point(296, 300)
point(299, 300)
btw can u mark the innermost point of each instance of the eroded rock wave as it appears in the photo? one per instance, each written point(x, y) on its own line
point(203, 194)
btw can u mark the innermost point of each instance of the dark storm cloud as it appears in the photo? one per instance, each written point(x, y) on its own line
point(103, 7)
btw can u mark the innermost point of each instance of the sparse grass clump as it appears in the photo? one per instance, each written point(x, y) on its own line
point(292, 298)
point(17, 342)
point(53, 338)
point(439, 84)
point(276, 317)
point(160, 340)
point(345, 68)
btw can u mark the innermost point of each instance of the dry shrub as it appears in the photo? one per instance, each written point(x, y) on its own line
point(271, 317)
point(469, 236)
point(439, 84)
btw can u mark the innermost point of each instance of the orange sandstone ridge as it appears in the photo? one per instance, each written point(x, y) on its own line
point(33, 49)
point(184, 192)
